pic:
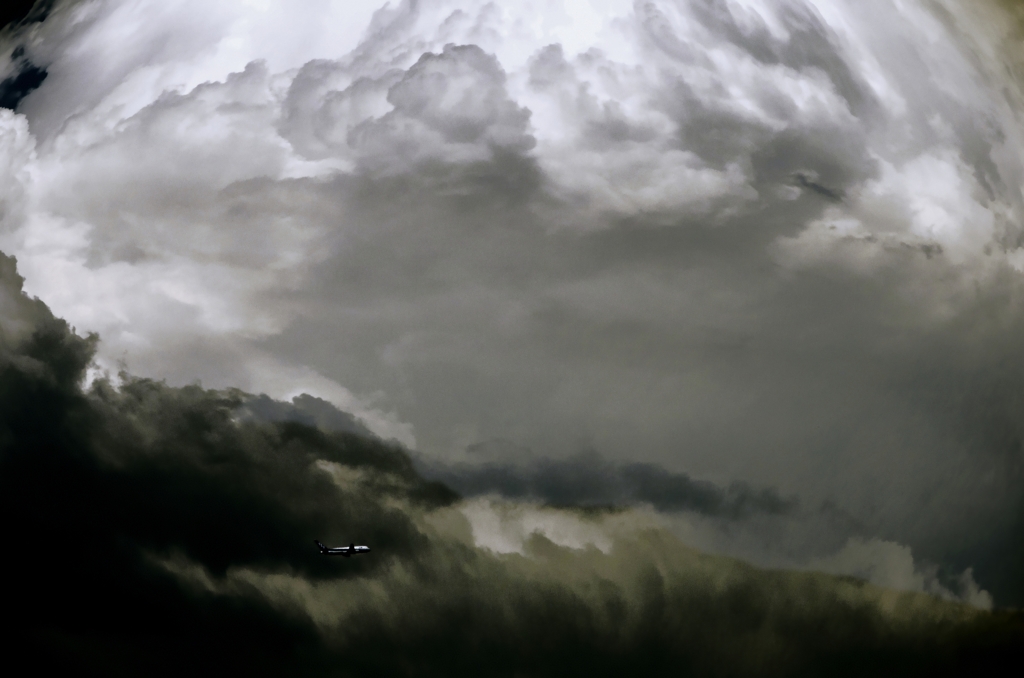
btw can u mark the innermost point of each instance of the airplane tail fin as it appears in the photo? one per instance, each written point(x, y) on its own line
point(323, 549)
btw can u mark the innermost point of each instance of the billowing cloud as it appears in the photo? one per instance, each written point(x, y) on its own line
point(756, 254)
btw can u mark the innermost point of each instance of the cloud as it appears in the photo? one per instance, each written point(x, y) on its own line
point(450, 107)
point(892, 566)
point(172, 534)
point(587, 479)
point(757, 525)
point(304, 409)
point(760, 244)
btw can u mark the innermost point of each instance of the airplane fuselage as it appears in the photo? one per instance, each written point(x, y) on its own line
point(343, 551)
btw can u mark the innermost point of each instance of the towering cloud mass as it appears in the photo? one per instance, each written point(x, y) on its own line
point(743, 272)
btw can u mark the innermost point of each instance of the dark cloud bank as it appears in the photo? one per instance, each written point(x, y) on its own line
point(146, 526)
point(588, 480)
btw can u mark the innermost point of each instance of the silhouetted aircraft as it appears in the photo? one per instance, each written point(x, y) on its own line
point(345, 551)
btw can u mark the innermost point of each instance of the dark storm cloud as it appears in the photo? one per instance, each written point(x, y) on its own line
point(157, 534)
point(588, 479)
point(94, 484)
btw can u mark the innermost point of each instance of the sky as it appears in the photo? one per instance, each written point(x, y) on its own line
point(740, 278)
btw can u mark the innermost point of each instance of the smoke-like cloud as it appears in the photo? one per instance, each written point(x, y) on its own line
point(158, 531)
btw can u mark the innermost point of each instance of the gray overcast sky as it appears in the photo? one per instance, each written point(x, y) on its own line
point(776, 242)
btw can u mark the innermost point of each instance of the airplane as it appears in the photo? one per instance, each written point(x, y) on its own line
point(344, 551)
